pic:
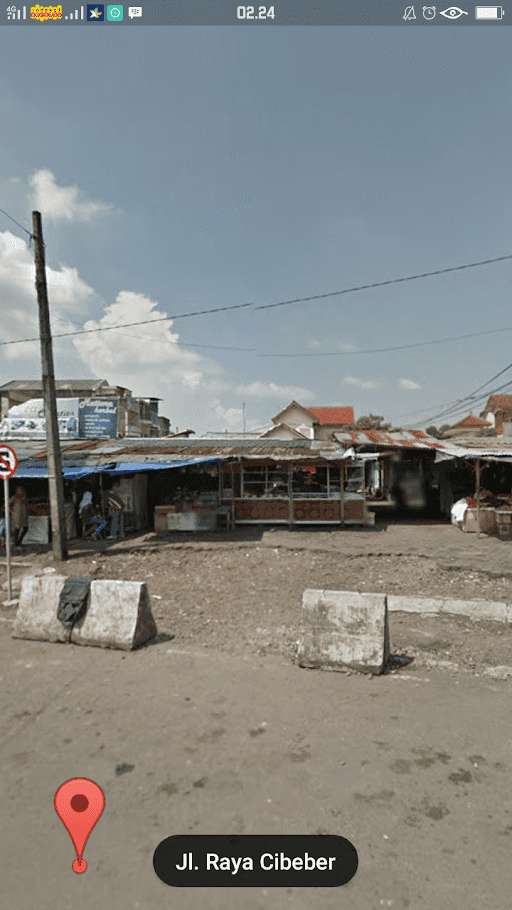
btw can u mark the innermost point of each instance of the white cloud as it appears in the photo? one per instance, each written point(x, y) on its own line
point(148, 360)
point(346, 348)
point(409, 384)
point(362, 383)
point(17, 269)
point(63, 203)
point(313, 343)
point(261, 389)
point(18, 314)
point(137, 347)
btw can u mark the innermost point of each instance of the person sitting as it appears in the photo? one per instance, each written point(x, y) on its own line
point(86, 511)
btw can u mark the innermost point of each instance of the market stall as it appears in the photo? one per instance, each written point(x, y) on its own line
point(268, 492)
point(189, 499)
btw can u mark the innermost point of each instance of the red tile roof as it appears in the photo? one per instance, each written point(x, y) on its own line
point(471, 421)
point(333, 416)
point(499, 402)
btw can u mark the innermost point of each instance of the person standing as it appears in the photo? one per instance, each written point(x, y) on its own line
point(85, 512)
point(116, 509)
point(19, 510)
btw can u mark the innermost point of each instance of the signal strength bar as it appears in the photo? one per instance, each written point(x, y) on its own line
point(76, 15)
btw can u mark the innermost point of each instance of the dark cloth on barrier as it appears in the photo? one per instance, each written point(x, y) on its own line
point(73, 601)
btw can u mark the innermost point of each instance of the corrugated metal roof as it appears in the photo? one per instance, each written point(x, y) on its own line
point(410, 439)
point(32, 384)
point(154, 451)
point(490, 450)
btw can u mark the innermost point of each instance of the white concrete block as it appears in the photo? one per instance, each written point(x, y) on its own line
point(36, 617)
point(344, 629)
point(476, 610)
point(402, 604)
point(119, 616)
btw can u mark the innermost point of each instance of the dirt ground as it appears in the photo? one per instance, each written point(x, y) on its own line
point(213, 728)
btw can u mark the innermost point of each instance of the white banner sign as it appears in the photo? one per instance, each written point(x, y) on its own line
point(27, 420)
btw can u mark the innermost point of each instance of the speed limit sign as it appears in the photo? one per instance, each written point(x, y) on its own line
point(8, 461)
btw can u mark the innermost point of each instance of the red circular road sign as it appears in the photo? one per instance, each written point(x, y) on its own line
point(8, 461)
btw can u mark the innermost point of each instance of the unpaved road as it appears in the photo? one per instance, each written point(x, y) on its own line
point(223, 733)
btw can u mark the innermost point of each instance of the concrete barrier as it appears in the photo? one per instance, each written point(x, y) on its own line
point(344, 629)
point(118, 615)
point(401, 604)
point(36, 617)
point(475, 610)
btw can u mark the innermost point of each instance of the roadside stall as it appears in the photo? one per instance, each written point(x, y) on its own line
point(268, 491)
point(485, 502)
point(189, 499)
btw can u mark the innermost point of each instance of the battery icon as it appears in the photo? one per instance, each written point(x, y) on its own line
point(489, 12)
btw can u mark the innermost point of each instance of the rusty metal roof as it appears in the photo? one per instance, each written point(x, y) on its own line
point(160, 450)
point(403, 439)
point(31, 385)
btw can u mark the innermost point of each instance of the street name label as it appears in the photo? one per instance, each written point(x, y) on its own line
point(255, 861)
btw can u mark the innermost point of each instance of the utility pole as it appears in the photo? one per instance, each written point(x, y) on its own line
point(55, 478)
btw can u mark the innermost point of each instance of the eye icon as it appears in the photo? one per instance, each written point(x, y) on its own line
point(453, 12)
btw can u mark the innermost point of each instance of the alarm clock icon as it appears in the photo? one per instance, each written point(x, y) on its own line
point(429, 12)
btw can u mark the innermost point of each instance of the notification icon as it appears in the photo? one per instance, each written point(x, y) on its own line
point(79, 804)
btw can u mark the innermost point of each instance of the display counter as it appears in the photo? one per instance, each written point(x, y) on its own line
point(200, 515)
point(195, 520)
point(308, 510)
point(271, 511)
point(355, 510)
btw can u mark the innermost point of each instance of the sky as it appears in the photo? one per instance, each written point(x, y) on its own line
point(183, 169)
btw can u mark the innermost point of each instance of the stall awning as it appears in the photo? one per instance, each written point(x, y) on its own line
point(74, 472)
point(137, 467)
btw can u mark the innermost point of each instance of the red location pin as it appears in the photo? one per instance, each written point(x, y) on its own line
point(79, 803)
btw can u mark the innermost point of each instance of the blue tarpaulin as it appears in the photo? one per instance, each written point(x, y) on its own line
point(135, 467)
point(69, 473)
point(128, 467)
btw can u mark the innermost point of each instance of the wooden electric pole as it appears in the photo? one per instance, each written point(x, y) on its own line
point(55, 478)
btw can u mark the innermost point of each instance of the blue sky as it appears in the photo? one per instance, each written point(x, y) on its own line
point(183, 169)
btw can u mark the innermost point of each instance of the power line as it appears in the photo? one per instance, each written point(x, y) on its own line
point(17, 222)
point(268, 306)
point(461, 407)
point(400, 347)
point(470, 399)
point(152, 338)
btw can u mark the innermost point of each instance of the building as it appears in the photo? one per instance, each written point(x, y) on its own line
point(311, 423)
point(164, 426)
point(498, 411)
point(468, 426)
point(20, 390)
point(148, 415)
point(134, 417)
point(254, 481)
